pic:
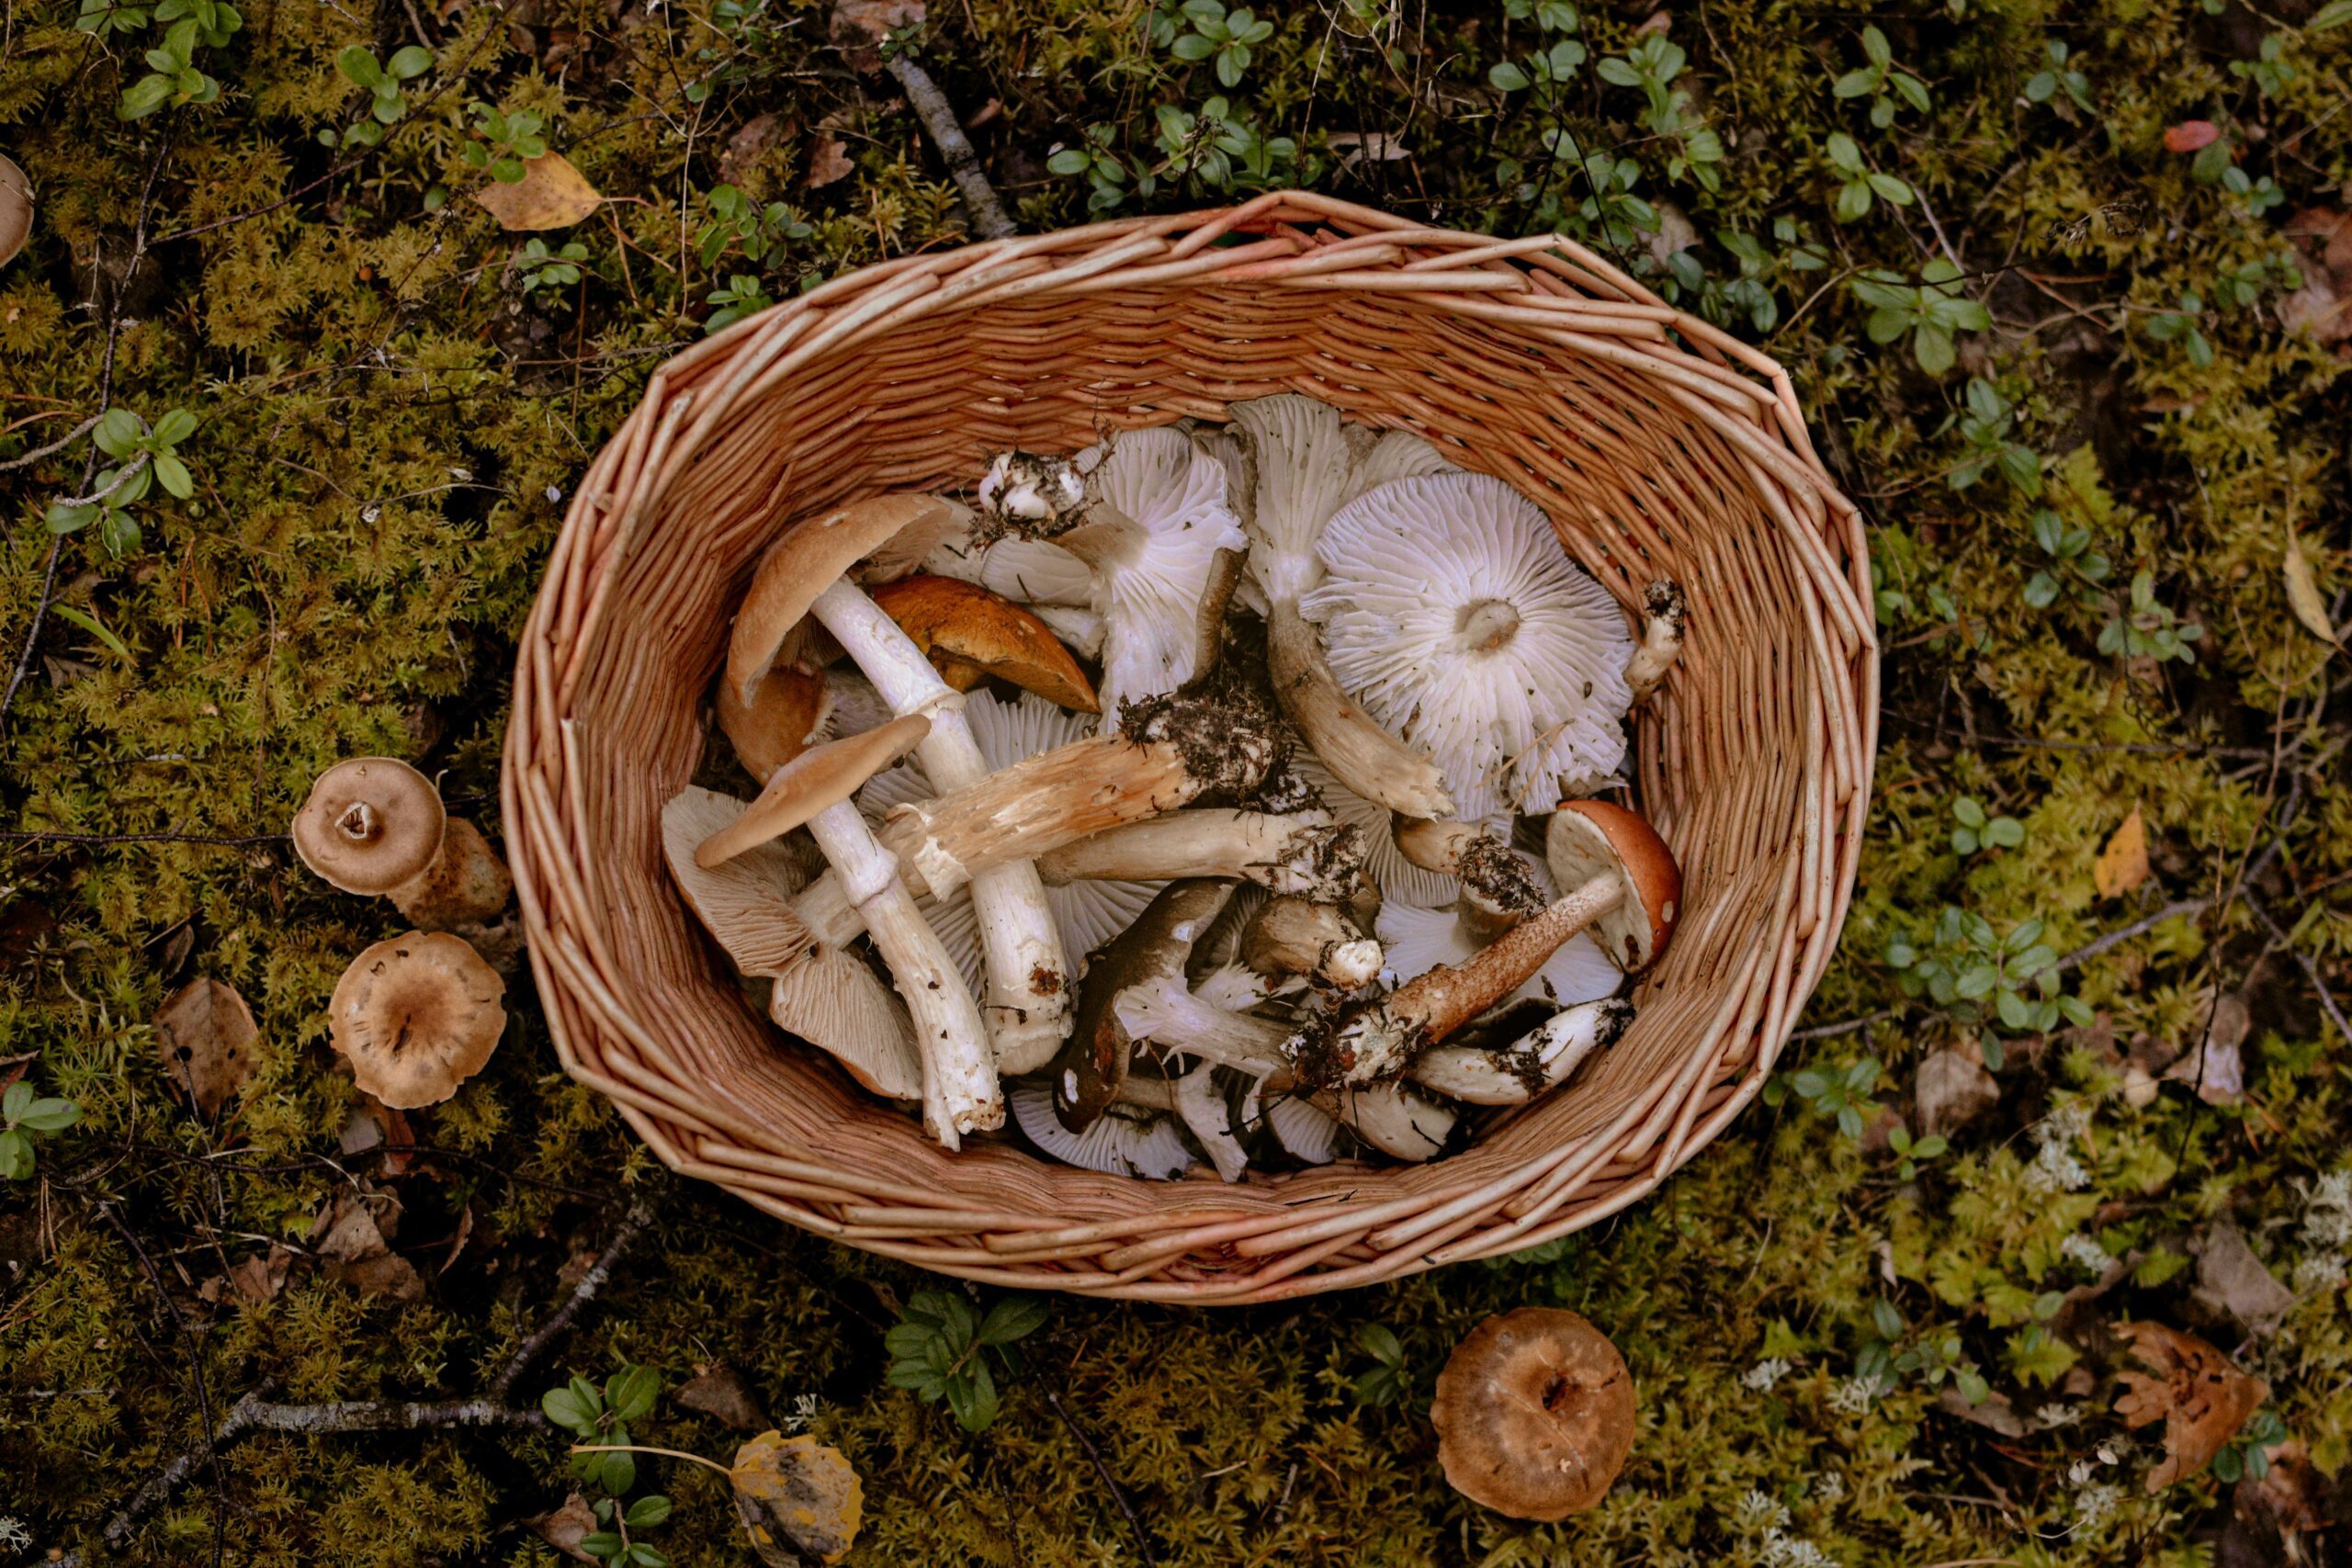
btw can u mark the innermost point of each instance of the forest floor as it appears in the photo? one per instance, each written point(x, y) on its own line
point(2066, 290)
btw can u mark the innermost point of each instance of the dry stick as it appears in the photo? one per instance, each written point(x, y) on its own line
point(2309, 965)
point(1118, 1493)
point(255, 1413)
point(62, 442)
point(938, 117)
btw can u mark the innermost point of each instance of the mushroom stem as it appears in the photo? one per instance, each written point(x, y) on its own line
point(1378, 1041)
point(1360, 753)
point(1028, 975)
point(960, 1093)
point(1303, 853)
point(1664, 608)
point(1170, 751)
point(1166, 1012)
point(1202, 1105)
point(1517, 1072)
point(1498, 886)
point(1291, 936)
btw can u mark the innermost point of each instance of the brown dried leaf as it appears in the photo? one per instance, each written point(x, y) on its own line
point(2304, 595)
point(1952, 1089)
point(870, 21)
point(828, 162)
point(205, 1033)
point(746, 147)
point(551, 195)
point(798, 1499)
point(2233, 1283)
point(564, 1528)
point(350, 1239)
point(2202, 1399)
point(2122, 866)
point(260, 1277)
point(1997, 1413)
point(719, 1392)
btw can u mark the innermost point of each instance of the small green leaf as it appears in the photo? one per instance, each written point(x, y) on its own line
point(96, 628)
point(411, 63)
point(648, 1512)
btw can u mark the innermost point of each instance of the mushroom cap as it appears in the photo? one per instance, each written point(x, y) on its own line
point(1590, 838)
point(1450, 614)
point(416, 1016)
point(1033, 571)
point(786, 716)
point(822, 776)
point(807, 558)
point(1094, 1060)
point(1534, 1414)
point(16, 209)
point(826, 996)
point(1123, 1142)
point(371, 825)
point(971, 633)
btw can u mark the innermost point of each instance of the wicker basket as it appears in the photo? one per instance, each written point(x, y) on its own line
point(1658, 445)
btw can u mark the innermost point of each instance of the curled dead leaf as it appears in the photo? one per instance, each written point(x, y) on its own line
point(2304, 595)
point(205, 1033)
point(551, 195)
point(799, 1499)
point(2201, 1398)
point(351, 1238)
point(2122, 866)
point(564, 1528)
point(720, 1393)
point(828, 162)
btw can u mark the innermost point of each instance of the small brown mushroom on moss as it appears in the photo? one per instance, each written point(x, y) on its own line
point(376, 826)
point(16, 209)
point(416, 1017)
point(1534, 1414)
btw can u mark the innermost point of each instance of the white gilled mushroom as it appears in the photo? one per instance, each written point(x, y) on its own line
point(1304, 853)
point(374, 825)
point(1398, 879)
point(1515, 1074)
point(1090, 912)
point(1028, 976)
point(1664, 609)
point(1291, 936)
point(1450, 611)
point(416, 1017)
point(1416, 941)
point(1622, 880)
point(1391, 1117)
point(819, 991)
point(959, 1082)
point(1202, 1105)
point(1126, 1140)
point(1305, 464)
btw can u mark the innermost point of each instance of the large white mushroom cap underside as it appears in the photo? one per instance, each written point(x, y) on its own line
point(1088, 913)
point(1450, 612)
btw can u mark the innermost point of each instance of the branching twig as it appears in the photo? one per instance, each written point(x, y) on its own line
point(1102, 1468)
point(938, 117)
point(62, 442)
point(631, 1225)
point(2303, 961)
point(2100, 944)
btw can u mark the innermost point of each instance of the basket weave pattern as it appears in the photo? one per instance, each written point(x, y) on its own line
point(1659, 445)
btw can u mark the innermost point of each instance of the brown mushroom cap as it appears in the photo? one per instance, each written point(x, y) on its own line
point(416, 1017)
point(1534, 1414)
point(810, 556)
point(779, 723)
point(1591, 837)
point(371, 825)
point(816, 779)
point(1094, 1059)
point(971, 633)
point(16, 209)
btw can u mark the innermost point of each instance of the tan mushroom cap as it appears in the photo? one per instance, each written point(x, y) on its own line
point(1592, 838)
point(371, 825)
point(1534, 1414)
point(416, 1017)
point(809, 556)
point(779, 723)
point(467, 884)
point(971, 633)
point(825, 775)
point(824, 995)
point(16, 209)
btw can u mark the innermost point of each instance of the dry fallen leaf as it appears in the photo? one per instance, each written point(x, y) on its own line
point(2123, 864)
point(349, 1236)
point(564, 1528)
point(2302, 593)
point(870, 21)
point(798, 1499)
point(828, 162)
point(2233, 1281)
point(206, 1034)
point(720, 1393)
point(1952, 1089)
point(551, 195)
point(2191, 135)
point(2202, 1399)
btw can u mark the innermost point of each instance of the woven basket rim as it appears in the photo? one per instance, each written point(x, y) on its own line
point(1571, 310)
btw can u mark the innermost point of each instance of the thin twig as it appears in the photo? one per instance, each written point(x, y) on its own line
point(62, 442)
point(2303, 960)
point(39, 836)
point(1826, 1030)
point(2100, 944)
point(632, 1224)
point(938, 117)
point(1101, 1468)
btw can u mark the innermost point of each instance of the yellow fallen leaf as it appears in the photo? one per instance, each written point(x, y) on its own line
point(799, 1500)
point(2303, 592)
point(2123, 864)
point(551, 195)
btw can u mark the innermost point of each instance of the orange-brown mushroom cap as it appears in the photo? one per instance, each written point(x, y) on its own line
point(1534, 1414)
point(1588, 838)
point(810, 556)
point(416, 1017)
point(779, 723)
point(816, 779)
point(371, 825)
point(969, 632)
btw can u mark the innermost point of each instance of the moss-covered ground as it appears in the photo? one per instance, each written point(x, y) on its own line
point(2065, 293)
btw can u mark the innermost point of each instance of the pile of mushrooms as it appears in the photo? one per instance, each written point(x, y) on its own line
point(1222, 794)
